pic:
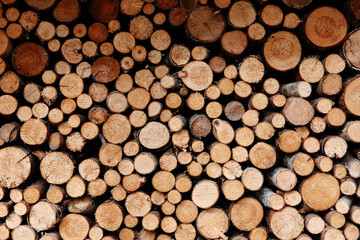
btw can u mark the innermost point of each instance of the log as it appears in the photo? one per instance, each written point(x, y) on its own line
point(330, 188)
point(277, 223)
point(33, 51)
point(212, 223)
point(330, 18)
point(44, 216)
point(74, 226)
point(282, 51)
point(200, 32)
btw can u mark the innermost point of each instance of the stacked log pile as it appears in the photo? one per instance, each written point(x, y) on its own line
point(179, 119)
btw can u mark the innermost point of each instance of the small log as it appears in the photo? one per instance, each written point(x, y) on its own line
point(330, 232)
point(232, 189)
point(297, 89)
point(24, 231)
point(138, 204)
point(251, 70)
point(298, 111)
point(282, 178)
point(334, 146)
point(236, 15)
point(277, 220)
point(198, 31)
point(335, 219)
point(213, 223)
point(55, 194)
point(239, 217)
point(271, 15)
point(351, 231)
point(53, 167)
point(252, 179)
point(348, 96)
point(34, 192)
point(67, 11)
point(291, 21)
point(71, 222)
point(270, 199)
point(314, 223)
point(109, 216)
point(177, 16)
point(44, 216)
point(279, 57)
point(292, 198)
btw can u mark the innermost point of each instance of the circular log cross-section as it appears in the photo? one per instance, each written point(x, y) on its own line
point(298, 111)
point(197, 75)
point(116, 129)
point(105, 69)
point(154, 135)
point(109, 216)
point(74, 226)
point(282, 51)
point(246, 214)
point(205, 25)
point(29, 59)
point(212, 223)
point(56, 168)
point(15, 166)
point(286, 223)
point(326, 27)
point(44, 216)
point(320, 191)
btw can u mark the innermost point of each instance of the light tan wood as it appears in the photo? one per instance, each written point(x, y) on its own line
point(332, 19)
point(138, 204)
point(282, 178)
point(109, 216)
point(213, 223)
point(262, 155)
point(277, 223)
point(44, 216)
point(74, 226)
point(256, 32)
point(55, 194)
point(298, 111)
point(246, 220)
point(292, 198)
point(315, 200)
point(282, 51)
point(351, 231)
point(53, 165)
point(24, 231)
point(330, 232)
point(252, 179)
point(334, 146)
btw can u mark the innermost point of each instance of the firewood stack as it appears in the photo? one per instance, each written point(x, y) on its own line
point(179, 119)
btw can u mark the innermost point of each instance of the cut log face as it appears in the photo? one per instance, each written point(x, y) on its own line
point(29, 59)
point(197, 75)
point(282, 51)
point(320, 191)
point(326, 27)
point(154, 135)
point(15, 167)
point(203, 24)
